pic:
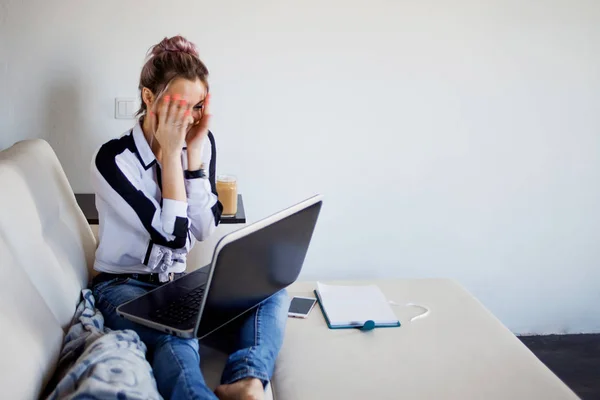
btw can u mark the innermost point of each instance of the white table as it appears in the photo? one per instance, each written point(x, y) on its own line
point(459, 351)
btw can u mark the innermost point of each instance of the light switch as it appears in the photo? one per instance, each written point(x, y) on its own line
point(125, 107)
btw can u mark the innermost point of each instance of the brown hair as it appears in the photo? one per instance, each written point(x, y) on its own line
point(172, 58)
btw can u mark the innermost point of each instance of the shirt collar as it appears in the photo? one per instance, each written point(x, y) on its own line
point(143, 149)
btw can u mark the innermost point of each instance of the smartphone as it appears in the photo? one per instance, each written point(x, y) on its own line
point(300, 307)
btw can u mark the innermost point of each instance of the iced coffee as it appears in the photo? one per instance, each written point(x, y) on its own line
point(227, 193)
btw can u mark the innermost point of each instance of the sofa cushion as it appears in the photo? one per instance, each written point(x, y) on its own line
point(459, 351)
point(46, 248)
point(30, 338)
point(43, 227)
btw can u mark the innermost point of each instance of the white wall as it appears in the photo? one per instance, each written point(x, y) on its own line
point(452, 139)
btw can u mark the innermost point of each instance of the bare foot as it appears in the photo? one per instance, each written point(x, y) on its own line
point(245, 389)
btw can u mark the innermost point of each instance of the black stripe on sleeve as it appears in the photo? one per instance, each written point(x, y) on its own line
point(217, 209)
point(159, 182)
point(148, 252)
point(144, 208)
point(159, 178)
point(181, 227)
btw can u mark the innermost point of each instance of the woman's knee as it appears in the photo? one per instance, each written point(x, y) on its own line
point(277, 306)
point(281, 300)
point(165, 340)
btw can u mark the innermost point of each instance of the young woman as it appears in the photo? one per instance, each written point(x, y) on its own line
point(156, 195)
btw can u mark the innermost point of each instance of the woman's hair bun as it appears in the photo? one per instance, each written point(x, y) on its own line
point(175, 44)
point(172, 58)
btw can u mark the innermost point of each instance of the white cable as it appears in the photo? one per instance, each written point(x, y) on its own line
point(426, 313)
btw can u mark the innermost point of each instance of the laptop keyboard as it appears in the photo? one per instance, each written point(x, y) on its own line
point(182, 309)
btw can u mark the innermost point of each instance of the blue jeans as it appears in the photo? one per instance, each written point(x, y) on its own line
point(176, 361)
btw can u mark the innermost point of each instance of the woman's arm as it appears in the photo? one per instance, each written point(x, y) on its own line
point(118, 179)
point(204, 209)
point(171, 126)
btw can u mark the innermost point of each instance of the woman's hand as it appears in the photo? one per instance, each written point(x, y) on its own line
point(197, 133)
point(171, 119)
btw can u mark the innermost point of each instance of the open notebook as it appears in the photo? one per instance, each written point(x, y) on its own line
point(353, 306)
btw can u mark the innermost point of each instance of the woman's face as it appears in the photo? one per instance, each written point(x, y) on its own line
point(193, 92)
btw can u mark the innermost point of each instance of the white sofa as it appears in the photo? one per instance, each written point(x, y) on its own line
point(46, 256)
point(461, 351)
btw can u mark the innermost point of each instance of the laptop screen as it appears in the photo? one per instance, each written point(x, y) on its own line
point(253, 267)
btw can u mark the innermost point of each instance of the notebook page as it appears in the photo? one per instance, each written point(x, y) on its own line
point(354, 305)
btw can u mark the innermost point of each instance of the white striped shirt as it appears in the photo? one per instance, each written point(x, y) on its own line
point(140, 232)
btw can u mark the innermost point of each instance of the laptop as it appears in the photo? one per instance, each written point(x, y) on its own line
point(248, 266)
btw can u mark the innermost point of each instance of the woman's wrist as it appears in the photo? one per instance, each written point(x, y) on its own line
point(194, 155)
point(172, 158)
point(173, 186)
